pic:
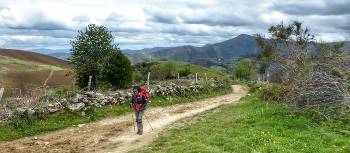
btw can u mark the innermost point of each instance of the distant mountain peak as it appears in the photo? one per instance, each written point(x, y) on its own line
point(243, 36)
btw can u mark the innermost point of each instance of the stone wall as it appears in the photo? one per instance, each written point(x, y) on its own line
point(84, 100)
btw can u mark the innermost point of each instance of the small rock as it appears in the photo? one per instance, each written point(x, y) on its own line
point(76, 106)
point(81, 125)
point(76, 98)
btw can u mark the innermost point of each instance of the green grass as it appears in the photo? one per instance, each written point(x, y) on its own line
point(65, 119)
point(211, 73)
point(254, 126)
point(159, 68)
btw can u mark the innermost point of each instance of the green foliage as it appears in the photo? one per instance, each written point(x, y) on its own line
point(253, 126)
point(21, 120)
point(186, 71)
point(273, 91)
point(266, 56)
point(117, 70)
point(162, 70)
point(92, 49)
point(245, 70)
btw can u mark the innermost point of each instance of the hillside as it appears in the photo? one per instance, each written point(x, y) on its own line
point(239, 47)
point(33, 57)
point(22, 71)
point(163, 70)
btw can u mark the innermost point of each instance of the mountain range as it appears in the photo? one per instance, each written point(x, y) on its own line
point(239, 47)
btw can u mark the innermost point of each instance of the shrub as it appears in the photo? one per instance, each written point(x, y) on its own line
point(21, 120)
point(273, 92)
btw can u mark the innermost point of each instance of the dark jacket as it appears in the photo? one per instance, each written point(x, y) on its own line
point(136, 100)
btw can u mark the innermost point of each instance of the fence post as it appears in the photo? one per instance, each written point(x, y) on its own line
point(89, 83)
point(178, 76)
point(149, 73)
point(196, 77)
point(1, 93)
point(206, 78)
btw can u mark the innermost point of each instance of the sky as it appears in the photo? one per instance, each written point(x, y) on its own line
point(137, 24)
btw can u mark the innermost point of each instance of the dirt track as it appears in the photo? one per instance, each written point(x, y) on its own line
point(116, 134)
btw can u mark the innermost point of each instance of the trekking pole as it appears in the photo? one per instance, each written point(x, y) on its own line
point(148, 121)
point(132, 116)
point(133, 121)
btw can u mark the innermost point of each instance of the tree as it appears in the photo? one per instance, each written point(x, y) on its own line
point(117, 70)
point(91, 48)
point(317, 79)
point(164, 70)
point(245, 69)
point(265, 57)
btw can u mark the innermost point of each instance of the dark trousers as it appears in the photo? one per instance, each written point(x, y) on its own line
point(139, 115)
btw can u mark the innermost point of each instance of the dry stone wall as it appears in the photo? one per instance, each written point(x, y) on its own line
point(84, 100)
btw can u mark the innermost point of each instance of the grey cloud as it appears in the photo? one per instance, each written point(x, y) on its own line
point(81, 18)
point(40, 25)
point(34, 20)
point(48, 42)
point(217, 20)
point(162, 16)
point(31, 32)
point(325, 7)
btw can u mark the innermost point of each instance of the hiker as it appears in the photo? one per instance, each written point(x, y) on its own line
point(139, 103)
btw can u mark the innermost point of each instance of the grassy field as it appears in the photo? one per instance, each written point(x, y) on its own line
point(32, 125)
point(165, 70)
point(211, 73)
point(25, 74)
point(254, 126)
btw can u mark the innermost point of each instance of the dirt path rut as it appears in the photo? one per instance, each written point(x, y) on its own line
point(116, 134)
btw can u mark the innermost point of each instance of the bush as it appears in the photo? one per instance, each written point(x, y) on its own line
point(274, 92)
point(21, 120)
point(117, 71)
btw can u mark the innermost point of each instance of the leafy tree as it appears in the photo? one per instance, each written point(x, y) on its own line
point(163, 71)
point(245, 69)
point(265, 57)
point(91, 49)
point(117, 70)
point(186, 71)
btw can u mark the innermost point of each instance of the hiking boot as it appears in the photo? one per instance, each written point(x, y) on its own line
point(139, 132)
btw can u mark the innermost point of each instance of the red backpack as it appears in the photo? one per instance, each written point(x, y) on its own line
point(144, 92)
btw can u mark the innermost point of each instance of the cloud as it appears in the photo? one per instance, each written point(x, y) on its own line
point(313, 7)
point(28, 18)
point(143, 23)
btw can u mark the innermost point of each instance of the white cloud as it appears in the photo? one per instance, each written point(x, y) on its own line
point(148, 23)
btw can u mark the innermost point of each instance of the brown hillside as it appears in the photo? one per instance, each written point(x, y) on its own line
point(35, 57)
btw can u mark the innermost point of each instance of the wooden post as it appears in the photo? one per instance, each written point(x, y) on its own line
point(48, 78)
point(178, 76)
point(73, 85)
point(89, 83)
point(149, 73)
point(206, 78)
point(196, 77)
point(1, 93)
